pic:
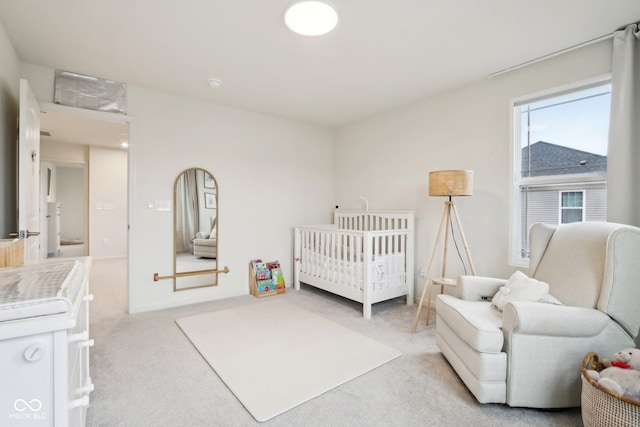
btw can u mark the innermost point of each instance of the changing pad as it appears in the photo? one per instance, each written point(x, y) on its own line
point(39, 289)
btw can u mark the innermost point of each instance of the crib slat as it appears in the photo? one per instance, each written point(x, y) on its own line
point(316, 250)
point(366, 275)
point(347, 260)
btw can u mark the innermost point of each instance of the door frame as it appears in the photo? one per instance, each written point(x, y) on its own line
point(47, 107)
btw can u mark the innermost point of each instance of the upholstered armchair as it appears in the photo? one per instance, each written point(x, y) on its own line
point(205, 245)
point(530, 354)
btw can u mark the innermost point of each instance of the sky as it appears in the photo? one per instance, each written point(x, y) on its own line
point(582, 124)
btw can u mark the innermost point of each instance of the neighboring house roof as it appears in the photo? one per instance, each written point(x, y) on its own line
point(552, 159)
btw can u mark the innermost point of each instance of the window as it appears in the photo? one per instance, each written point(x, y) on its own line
point(559, 159)
point(571, 206)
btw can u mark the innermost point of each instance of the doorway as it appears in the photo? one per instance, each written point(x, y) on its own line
point(65, 206)
point(84, 172)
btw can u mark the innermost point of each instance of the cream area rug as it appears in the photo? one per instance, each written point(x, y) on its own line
point(274, 355)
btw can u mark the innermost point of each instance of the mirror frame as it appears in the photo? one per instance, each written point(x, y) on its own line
point(175, 236)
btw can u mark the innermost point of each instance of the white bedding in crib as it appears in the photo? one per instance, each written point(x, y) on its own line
point(385, 271)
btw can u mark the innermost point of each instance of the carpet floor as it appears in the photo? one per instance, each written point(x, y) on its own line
point(146, 373)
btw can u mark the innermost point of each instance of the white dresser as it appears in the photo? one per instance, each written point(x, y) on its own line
point(44, 344)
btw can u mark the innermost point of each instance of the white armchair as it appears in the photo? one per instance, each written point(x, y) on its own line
point(205, 245)
point(530, 354)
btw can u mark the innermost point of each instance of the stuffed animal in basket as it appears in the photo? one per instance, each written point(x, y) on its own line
point(621, 375)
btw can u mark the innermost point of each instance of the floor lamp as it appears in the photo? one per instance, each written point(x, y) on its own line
point(446, 183)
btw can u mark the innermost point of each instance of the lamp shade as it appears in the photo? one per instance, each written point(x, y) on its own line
point(451, 183)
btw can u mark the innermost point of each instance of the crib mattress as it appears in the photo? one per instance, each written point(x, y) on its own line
point(40, 289)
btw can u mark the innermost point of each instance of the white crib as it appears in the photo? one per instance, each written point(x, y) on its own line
point(364, 256)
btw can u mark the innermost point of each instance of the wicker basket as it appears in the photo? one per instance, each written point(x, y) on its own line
point(11, 252)
point(600, 407)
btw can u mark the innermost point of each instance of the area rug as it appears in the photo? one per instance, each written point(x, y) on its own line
point(275, 356)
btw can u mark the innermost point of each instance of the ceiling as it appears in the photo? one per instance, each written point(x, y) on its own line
point(383, 54)
point(74, 129)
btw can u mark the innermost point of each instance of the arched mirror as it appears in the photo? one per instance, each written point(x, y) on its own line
point(195, 229)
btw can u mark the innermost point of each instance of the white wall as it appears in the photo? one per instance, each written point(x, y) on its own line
point(387, 158)
point(106, 187)
point(70, 187)
point(9, 94)
point(205, 214)
point(107, 202)
point(275, 173)
point(59, 152)
point(272, 174)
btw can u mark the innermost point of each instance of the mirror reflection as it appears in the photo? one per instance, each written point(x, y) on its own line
point(195, 229)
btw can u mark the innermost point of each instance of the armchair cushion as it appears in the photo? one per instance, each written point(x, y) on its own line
point(519, 287)
point(205, 242)
point(549, 320)
point(477, 324)
point(575, 254)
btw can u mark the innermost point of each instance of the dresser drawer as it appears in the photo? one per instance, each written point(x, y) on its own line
point(26, 369)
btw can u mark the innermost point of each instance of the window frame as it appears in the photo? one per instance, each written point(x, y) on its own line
point(517, 181)
point(563, 208)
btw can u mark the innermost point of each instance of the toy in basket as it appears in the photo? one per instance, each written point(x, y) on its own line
point(265, 278)
point(601, 406)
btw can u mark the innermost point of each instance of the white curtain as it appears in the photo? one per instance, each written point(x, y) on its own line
point(187, 210)
point(623, 163)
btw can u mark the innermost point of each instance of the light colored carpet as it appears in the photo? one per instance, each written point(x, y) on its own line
point(147, 373)
point(71, 251)
point(275, 356)
point(188, 262)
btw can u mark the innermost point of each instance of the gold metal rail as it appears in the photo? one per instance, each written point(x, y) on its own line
point(157, 277)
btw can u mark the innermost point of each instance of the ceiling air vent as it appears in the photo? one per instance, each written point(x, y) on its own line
point(92, 93)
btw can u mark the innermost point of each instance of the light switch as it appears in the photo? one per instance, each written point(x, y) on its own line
point(163, 205)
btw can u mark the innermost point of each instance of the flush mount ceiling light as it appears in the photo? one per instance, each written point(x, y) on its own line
point(311, 18)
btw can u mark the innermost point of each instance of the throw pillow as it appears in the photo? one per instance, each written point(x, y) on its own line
point(519, 287)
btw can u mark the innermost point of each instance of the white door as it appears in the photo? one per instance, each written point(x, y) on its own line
point(29, 173)
point(44, 215)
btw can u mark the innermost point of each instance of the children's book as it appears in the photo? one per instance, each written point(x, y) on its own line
point(265, 285)
point(257, 264)
point(277, 278)
point(263, 274)
point(272, 265)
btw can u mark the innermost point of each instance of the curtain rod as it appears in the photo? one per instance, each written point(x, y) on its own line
point(551, 55)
